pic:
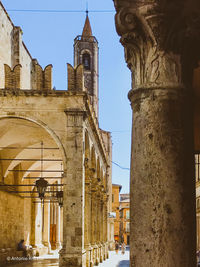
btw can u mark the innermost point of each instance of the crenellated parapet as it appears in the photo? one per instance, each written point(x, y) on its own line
point(161, 40)
point(12, 76)
point(41, 79)
point(75, 78)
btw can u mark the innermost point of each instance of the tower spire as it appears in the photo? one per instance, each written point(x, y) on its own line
point(87, 30)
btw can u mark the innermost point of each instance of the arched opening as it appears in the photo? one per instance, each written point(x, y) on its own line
point(86, 61)
point(29, 153)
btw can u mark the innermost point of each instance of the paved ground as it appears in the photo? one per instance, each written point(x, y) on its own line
point(52, 261)
point(116, 260)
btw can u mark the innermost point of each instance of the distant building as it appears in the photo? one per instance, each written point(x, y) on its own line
point(124, 211)
point(116, 188)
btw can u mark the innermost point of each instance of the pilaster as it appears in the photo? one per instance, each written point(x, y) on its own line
point(73, 253)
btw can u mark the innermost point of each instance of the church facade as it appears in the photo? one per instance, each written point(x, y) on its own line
point(55, 161)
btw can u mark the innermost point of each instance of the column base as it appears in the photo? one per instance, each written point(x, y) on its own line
point(48, 245)
point(89, 258)
point(95, 255)
point(72, 260)
point(58, 245)
point(101, 250)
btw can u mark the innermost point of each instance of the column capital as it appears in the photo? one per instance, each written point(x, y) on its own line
point(161, 40)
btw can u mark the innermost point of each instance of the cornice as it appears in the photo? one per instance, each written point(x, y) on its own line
point(97, 132)
point(39, 93)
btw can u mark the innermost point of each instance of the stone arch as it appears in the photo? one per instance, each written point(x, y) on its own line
point(28, 140)
point(86, 59)
point(86, 51)
point(47, 129)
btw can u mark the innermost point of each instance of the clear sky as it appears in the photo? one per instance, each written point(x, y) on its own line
point(49, 38)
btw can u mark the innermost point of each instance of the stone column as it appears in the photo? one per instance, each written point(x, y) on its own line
point(98, 199)
point(87, 221)
point(46, 226)
point(58, 243)
point(105, 225)
point(73, 253)
point(87, 213)
point(98, 241)
point(198, 231)
point(61, 226)
point(33, 224)
point(161, 42)
point(93, 211)
point(94, 223)
point(101, 226)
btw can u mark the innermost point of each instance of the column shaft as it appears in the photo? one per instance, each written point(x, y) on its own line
point(87, 214)
point(162, 179)
point(157, 37)
point(58, 244)
point(46, 226)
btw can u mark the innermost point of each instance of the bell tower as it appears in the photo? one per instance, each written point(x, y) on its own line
point(86, 52)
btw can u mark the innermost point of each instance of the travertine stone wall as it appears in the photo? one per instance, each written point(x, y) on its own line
point(75, 78)
point(11, 220)
point(73, 206)
point(64, 115)
point(12, 77)
point(6, 28)
point(41, 79)
point(14, 52)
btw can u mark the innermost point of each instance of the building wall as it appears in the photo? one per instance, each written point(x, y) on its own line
point(125, 225)
point(115, 208)
point(6, 29)
point(13, 50)
point(14, 220)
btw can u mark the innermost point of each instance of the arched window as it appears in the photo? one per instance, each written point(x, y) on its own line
point(86, 61)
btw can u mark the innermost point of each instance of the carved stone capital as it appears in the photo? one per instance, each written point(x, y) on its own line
point(161, 40)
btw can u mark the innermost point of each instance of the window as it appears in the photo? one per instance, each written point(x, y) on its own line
point(86, 61)
point(127, 214)
point(121, 213)
point(127, 227)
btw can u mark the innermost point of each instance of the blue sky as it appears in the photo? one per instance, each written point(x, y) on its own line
point(49, 38)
